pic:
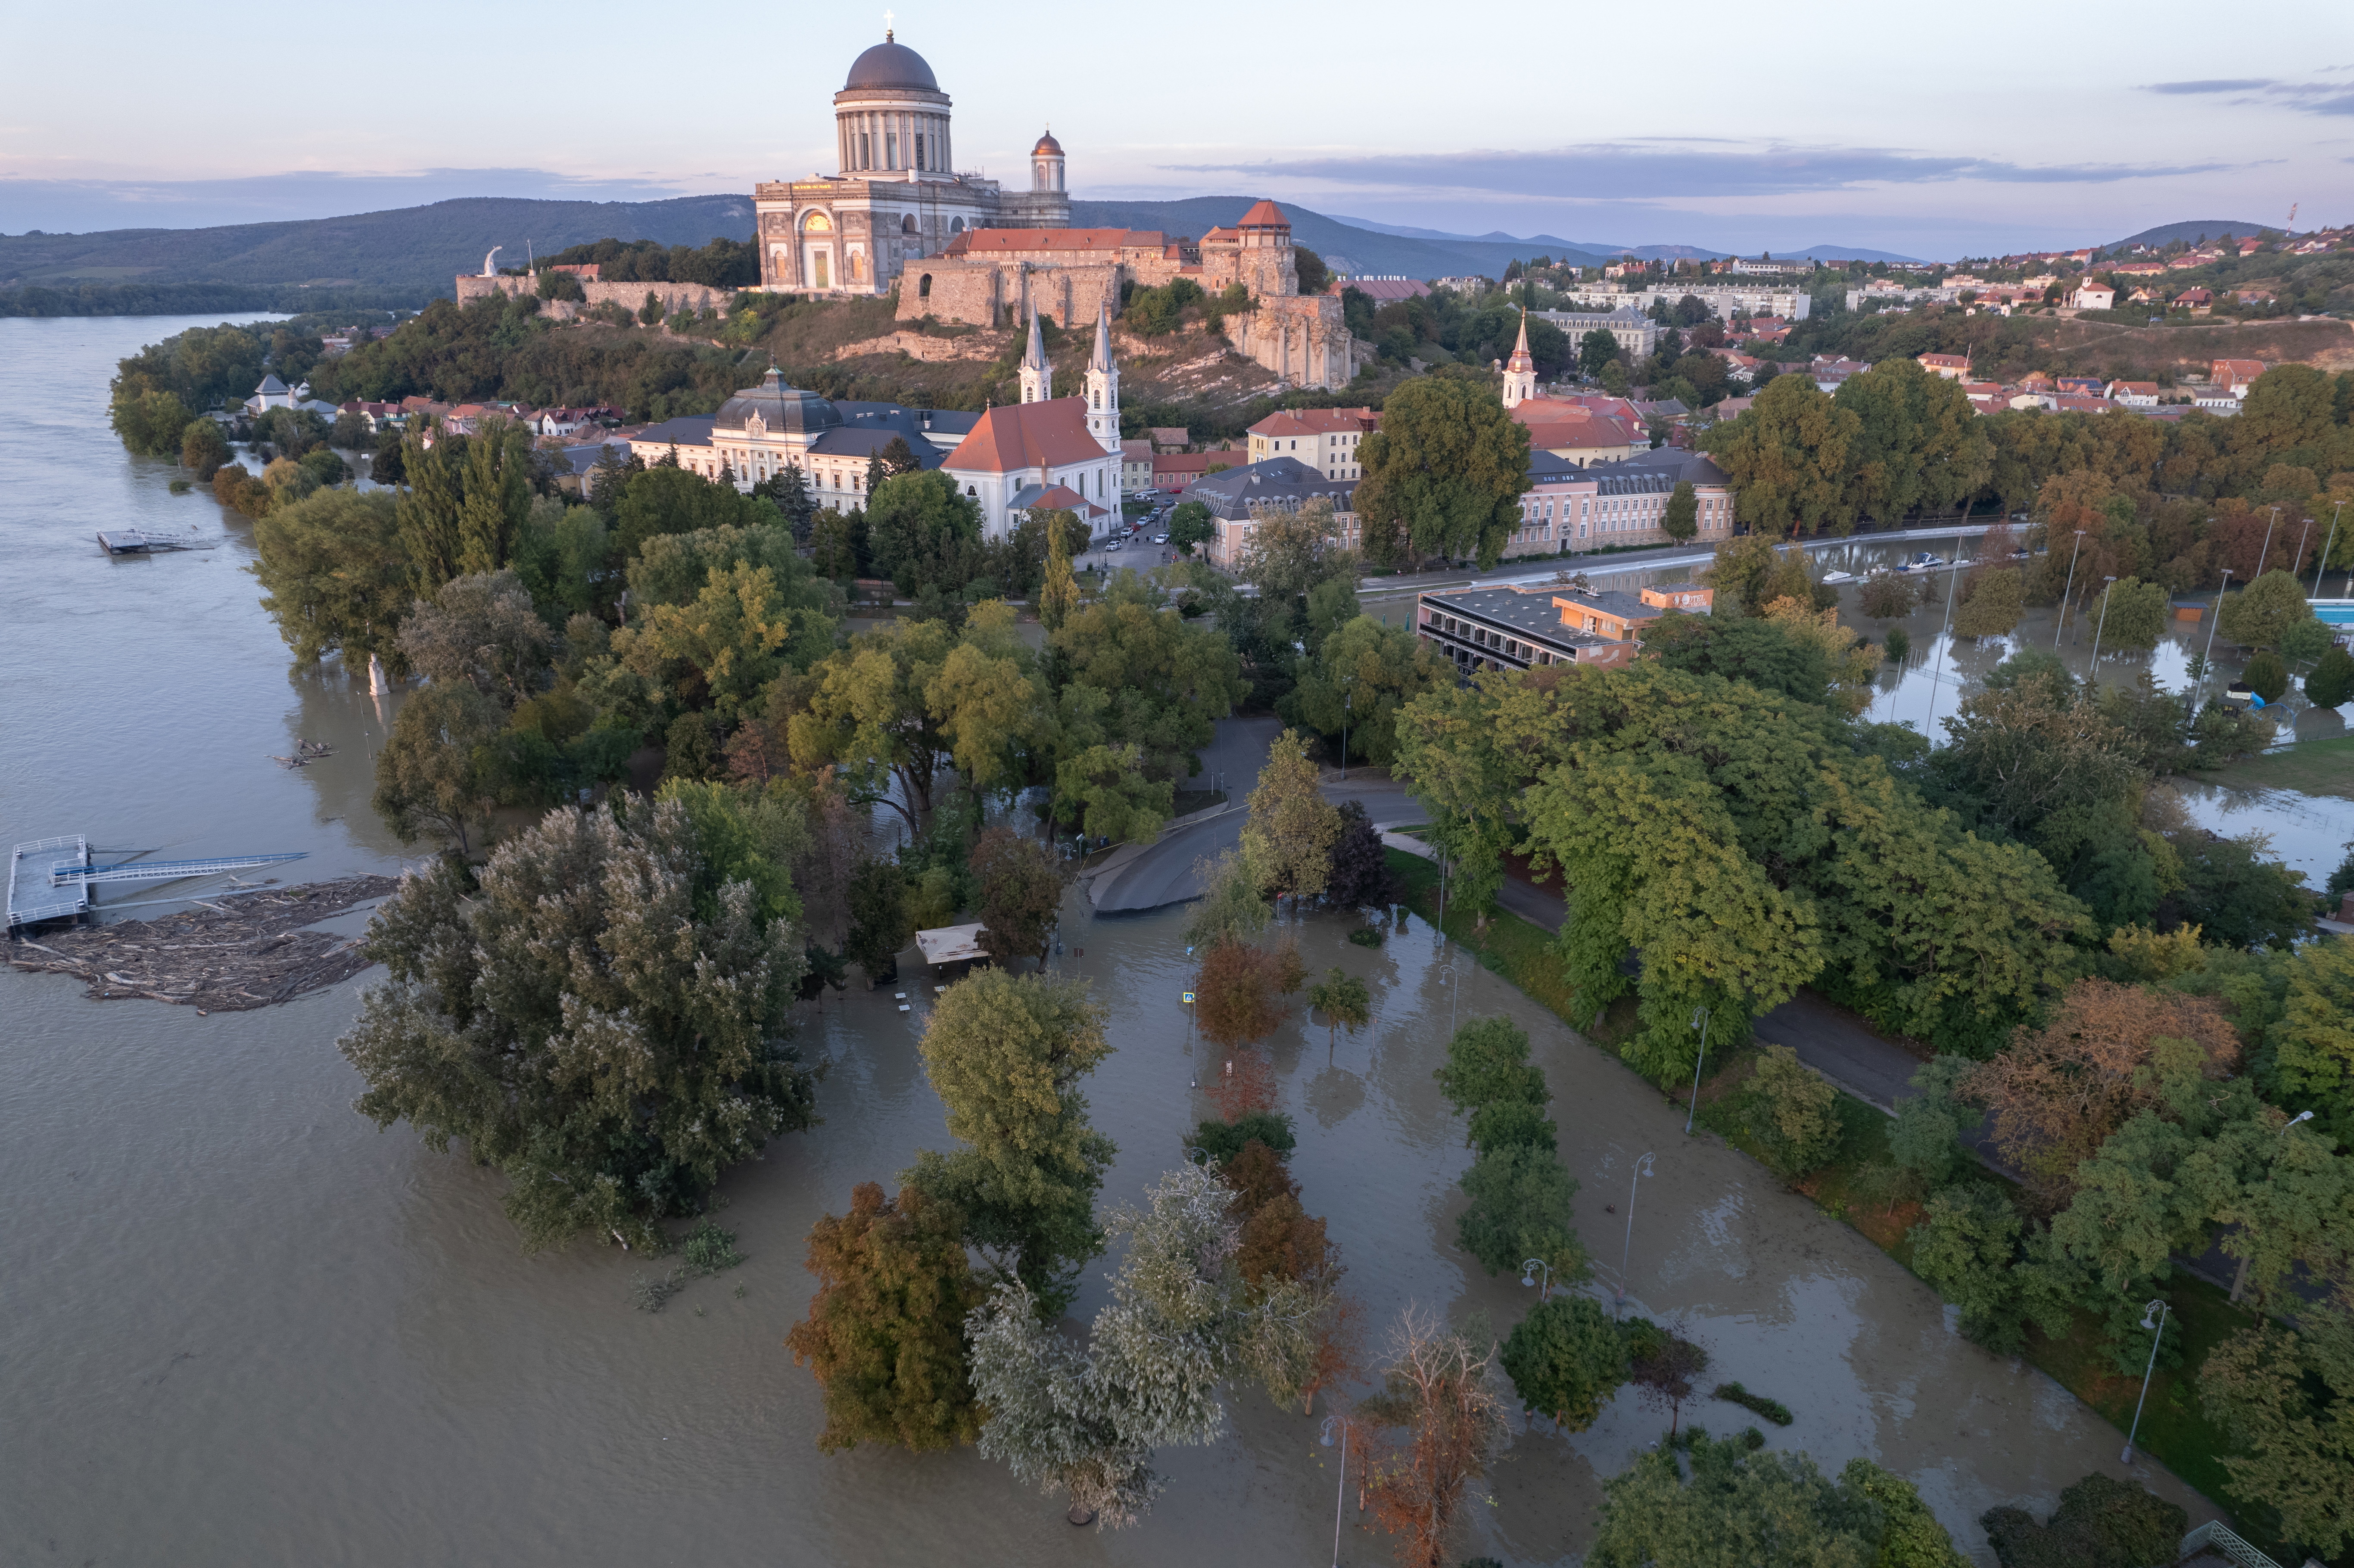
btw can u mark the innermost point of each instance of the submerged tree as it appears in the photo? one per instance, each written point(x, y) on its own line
point(886, 1331)
point(1441, 1409)
point(1182, 1320)
point(1006, 1052)
point(580, 1025)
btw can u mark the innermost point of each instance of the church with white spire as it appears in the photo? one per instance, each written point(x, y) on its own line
point(1520, 370)
point(1045, 452)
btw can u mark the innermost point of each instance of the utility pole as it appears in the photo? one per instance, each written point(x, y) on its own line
point(1937, 676)
point(2207, 659)
point(2322, 564)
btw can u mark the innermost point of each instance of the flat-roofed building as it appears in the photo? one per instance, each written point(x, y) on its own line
point(1524, 628)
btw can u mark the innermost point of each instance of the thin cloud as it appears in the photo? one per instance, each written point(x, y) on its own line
point(1617, 171)
point(2306, 97)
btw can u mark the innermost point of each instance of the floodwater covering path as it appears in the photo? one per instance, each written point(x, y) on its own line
point(246, 1327)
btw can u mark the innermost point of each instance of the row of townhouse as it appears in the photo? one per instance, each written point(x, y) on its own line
point(2227, 384)
point(1567, 506)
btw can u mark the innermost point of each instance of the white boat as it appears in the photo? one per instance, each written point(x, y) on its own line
point(1836, 578)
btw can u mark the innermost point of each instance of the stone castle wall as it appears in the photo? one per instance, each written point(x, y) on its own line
point(630, 296)
point(998, 294)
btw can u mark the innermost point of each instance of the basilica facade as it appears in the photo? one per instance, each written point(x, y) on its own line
point(897, 195)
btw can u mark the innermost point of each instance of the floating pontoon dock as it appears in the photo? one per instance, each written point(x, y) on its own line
point(50, 879)
point(136, 542)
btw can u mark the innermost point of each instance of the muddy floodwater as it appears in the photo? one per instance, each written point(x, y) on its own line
point(243, 1326)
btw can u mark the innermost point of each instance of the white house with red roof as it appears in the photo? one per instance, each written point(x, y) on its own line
point(1325, 440)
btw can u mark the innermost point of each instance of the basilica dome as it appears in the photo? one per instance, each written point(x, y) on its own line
point(1047, 147)
point(784, 410)
point(891, 65)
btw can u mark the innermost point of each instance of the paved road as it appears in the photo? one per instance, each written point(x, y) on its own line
point(1163, 871)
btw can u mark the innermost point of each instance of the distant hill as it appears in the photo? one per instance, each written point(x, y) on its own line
point(415, 249)
point(1367, 250)
point(1844, 253)
point(2202, 228)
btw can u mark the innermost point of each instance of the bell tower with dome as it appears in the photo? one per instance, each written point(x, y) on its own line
point(897, 196)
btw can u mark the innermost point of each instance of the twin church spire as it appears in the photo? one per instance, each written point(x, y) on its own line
point(1102, 392)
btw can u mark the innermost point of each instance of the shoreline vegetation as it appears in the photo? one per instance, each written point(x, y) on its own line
point(2172, 1429)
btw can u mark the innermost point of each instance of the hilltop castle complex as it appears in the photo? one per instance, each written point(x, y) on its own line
point(959, 247)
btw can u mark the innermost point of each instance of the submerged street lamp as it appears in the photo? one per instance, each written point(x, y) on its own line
point(2063, 625)
point(1642, 1168)
point(2207, 659)
point(1341, 1491)
point(2159, 1308)
point(1529, 1268)
point(1699, 1021)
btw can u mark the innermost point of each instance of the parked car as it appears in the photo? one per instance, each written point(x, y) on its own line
point(1160, 538)
point(1117, 545)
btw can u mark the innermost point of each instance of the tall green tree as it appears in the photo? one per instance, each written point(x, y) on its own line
point(1444, 474)
point(1918, 441)
point(1006, 1053)
point(435, 776)
point(1790, 458)
point(579, 1027)
point(496, 494)
point(2287, 1400)
point(1737, 1509)
point(1566, 1359)
point(1289, 833)
point(334, 576)
point(1358, 678)
point(2262, 614)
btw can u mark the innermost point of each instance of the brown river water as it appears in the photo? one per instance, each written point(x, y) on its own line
point(242, 1325)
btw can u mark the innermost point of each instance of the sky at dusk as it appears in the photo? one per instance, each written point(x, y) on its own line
point(1938, 133)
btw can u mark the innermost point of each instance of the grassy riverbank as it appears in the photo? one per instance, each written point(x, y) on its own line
point(2309, 767)
point(2174, 1429)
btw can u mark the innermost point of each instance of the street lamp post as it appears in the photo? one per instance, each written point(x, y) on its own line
point(2302, 536)
point(2098, 627)
point(2267, 550)
point(1348, 696)
point(1341, 1491)
point(1642, 1168)
point(1529, 1268)
point(1699, 1021)
point(2321, 565)
point(2207, 659)
point(2064, 592)
point(2161, 1309)
point(1454, 989)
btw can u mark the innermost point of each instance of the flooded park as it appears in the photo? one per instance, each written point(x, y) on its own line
point(247, 1326)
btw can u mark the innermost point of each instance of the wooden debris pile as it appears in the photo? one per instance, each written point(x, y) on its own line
point(246, 952)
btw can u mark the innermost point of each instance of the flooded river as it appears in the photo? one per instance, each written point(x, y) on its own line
point(245, 1327)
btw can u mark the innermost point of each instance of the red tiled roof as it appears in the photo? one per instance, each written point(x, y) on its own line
point(977, 239)
point(1315, 421)
point(1021, 436)
point(1183, 462)
point(1264, 214)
